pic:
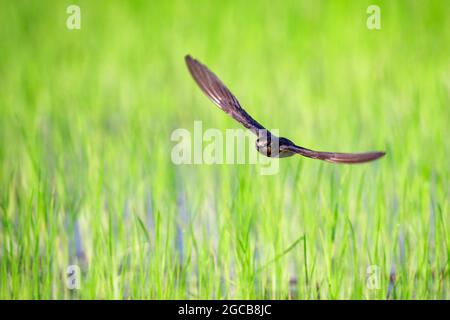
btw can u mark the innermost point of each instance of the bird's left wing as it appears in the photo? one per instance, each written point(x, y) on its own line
point(218, 93)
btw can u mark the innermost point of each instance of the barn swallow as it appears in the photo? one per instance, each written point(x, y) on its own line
point(266, 143)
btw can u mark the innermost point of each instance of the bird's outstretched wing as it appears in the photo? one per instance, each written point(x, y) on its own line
point(334, 157)
point(220, 95)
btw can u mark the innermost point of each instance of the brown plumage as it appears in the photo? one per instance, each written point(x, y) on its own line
point(267, 143)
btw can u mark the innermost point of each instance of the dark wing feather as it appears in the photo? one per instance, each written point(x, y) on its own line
point(335, 157)
point(220, 95)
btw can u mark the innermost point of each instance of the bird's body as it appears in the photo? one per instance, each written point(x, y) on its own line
point(270, 147)
point(266, 143)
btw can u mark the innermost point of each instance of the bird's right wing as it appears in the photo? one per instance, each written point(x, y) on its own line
point(335, 157)
point(218, 93)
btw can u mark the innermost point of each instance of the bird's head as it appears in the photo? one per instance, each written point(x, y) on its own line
point(267, 145)
point(270, 146)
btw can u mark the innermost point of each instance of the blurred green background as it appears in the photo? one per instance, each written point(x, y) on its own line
point(86, 176)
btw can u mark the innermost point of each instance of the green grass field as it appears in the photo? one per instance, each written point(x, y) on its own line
point(86, 176)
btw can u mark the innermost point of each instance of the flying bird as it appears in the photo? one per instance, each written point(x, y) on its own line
point(266, 143)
